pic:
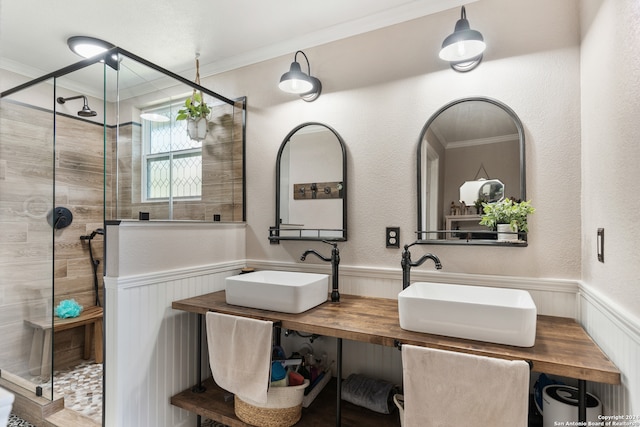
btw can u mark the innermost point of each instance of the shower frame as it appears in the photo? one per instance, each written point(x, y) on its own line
point(108, 59)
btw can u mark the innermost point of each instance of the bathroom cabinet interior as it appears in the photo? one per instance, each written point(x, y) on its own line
point(562, 347)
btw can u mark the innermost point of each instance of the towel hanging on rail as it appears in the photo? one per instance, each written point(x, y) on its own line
point(444, 388)
point(240, 354)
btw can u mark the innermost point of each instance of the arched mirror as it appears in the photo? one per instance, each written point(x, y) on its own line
point(311, 185)
point(470, 151)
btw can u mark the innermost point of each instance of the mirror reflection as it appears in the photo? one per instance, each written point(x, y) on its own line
point(471, 151)
point(310, 185)
point(481, 190)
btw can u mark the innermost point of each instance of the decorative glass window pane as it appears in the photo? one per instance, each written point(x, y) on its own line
point(158, 177)
point(173, 161)
point(170, 136)
point(187, 175)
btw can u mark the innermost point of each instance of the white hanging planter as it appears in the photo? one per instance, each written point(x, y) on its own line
point(195, 111)
point(197, 129)
point(506, 234)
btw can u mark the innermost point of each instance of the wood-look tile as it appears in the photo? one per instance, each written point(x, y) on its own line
point(69, 418)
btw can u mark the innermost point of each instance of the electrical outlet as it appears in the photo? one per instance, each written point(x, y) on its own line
point(392, 237)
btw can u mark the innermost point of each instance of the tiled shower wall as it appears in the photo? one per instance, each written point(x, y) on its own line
point(26, 188)
point(27, 178)
point(222, 173)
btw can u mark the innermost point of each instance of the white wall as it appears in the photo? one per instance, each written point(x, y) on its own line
point(150, 349)
point(380, 88)
point(610, 148)
point(146, 247)
point(610, 102)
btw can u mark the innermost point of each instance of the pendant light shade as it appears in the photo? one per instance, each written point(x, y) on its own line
point(88, 46)
point(296, 81)
point(464, 47)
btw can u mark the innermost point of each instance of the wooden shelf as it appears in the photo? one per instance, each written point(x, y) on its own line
point(562, 347)
point(321, 413)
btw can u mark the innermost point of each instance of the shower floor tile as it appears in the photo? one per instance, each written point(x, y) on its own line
point(15, 421)
point(81, 387)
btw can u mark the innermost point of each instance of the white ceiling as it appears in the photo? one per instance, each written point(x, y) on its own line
point(226, 33)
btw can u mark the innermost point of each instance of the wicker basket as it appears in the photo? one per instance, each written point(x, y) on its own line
point(283, 407)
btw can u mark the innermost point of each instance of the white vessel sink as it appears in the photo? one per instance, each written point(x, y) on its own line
point(283, 291)
point(497, 315)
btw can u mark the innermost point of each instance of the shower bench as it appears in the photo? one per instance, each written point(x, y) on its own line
point(40, 359)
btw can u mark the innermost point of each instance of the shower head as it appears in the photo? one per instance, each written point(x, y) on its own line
point(85, 112)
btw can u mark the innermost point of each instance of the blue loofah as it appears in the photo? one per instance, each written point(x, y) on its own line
point(68, 308)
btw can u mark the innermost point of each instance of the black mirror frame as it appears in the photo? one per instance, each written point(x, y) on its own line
point(523, 174)
point(274, 232)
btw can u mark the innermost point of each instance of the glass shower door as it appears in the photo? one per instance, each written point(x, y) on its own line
point(27, 268)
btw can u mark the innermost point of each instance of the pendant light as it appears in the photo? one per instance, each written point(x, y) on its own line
point(88, 46)
point(464, 47)
point(296, 81)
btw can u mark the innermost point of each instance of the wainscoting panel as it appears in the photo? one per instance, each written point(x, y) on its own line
point(553, 297)
point(151, 348)
point(618, 334)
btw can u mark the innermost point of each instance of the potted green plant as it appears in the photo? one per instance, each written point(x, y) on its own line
point(196, 112)
point(508, 217)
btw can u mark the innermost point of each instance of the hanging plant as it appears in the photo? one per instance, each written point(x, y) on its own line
point(194, 108)
point(196, 111)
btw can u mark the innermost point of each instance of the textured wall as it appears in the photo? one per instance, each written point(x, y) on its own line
point(610, 149)
point(380, 88)
point(610, 80)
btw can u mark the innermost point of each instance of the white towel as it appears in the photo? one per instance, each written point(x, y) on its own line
point(443, 388)
point(240, 354)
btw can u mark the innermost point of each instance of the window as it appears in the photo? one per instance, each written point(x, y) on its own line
point(172, 162)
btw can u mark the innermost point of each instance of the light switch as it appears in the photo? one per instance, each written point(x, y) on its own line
point(600, 244)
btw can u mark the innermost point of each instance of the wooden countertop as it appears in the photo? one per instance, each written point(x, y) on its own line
point(562, 347)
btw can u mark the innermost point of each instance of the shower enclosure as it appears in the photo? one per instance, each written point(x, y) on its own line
point(94, 142)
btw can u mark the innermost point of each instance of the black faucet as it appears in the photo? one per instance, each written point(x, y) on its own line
point(406, 264)
point(335, 261)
